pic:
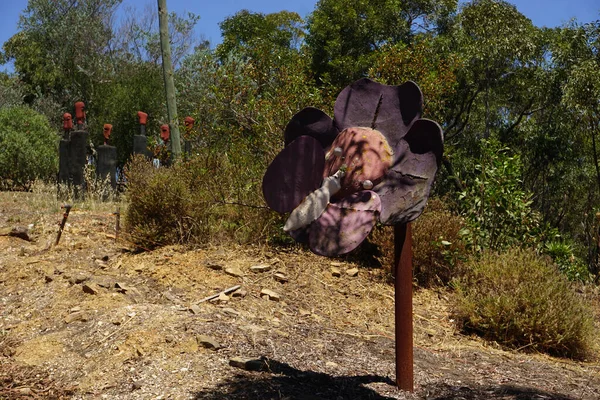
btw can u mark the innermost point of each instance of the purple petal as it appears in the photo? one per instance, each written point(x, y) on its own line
point(426, 136)
point(294, 173)
point(300, 235)
point(311, 122)
point(344, 225)
point(389, 109)
point(407, 184)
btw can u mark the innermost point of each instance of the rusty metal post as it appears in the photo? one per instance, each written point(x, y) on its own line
point(67, 208)
point(403, 306)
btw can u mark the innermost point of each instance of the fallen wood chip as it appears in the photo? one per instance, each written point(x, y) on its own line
point(214, 296)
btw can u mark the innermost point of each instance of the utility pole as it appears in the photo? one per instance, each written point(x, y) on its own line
point(163, 22)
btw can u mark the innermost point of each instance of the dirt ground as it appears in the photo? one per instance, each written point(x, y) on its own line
point(91, 319)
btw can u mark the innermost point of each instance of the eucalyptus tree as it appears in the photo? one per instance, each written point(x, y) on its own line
point(344, 34)
point(60, 47)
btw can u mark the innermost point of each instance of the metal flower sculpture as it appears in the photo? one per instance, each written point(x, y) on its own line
point(375, 160)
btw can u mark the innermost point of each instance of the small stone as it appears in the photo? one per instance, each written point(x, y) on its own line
point(352, 272)
point(20, 232)
point(253, 328)
point(270, 295)
point(230, 311)
point(76, 316)
point(131, 291)
point(336, 264)
point(169, 338)
point(214, 265)
point(239, 293)
point(100, 263)
point(260, 268)
point(304, 312)
point(208, 342)
point(104, 282)
point(91, 288)
point(234, 272)
point(77, 279)
point(249, 364)
point(223, 298)
point(136, 385)
point(75, 309)
point(104, 258)
point(171, 297)
point(8, 351)
point(331, 364)
point(195, 309)
point(335, 271)
point(48, 278)
point(279, 277)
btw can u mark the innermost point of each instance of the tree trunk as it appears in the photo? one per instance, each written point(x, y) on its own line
point(593, 132)
point(451, 174)
point(165, 47)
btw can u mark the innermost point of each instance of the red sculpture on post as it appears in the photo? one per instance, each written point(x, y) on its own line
point(67, 124)
point(165, 132)
point(80, 114)
point(106, 132)
point(143, 118)
point(189, 125)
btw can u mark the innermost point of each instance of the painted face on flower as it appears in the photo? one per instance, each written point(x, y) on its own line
point(376, 160)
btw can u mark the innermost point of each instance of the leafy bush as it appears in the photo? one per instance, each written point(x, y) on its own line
point(205, 199)
point(29, 148)
point(11, 91)
point(520, 300)
point(497, 209)
point(438, 248)
point(563, 255)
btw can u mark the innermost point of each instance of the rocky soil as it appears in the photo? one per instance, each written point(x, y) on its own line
point(92, 319)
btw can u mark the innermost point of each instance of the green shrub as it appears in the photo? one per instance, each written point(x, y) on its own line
point(438, 248)
point(563, 255)
point(208, 198)
point(29, 148)
point(496, 208)
point(519, 300)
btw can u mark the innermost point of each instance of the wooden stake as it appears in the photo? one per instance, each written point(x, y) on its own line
point(67, 208)
point(117, 223)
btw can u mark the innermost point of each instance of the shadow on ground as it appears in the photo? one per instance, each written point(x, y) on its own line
point(281, 381)
point(500, 392)
point(278, 380)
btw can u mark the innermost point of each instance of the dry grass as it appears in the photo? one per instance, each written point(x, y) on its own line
point(328, 336)
point(521, 301)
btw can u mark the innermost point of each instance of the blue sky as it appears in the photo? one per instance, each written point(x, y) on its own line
point(542, 12)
